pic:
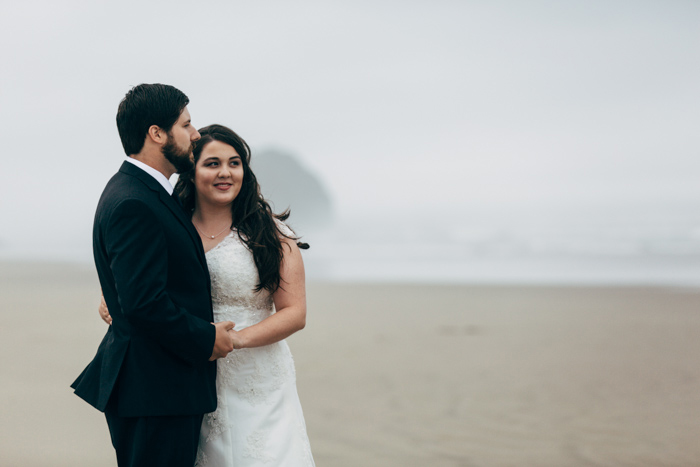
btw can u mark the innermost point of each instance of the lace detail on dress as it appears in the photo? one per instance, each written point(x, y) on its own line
point(255, 447)
point(272, 367)
point(234, 276)
point(256, 387)
point(202, 459)
point(217, 420)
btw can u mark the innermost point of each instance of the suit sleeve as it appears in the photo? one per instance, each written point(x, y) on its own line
point(136, 244)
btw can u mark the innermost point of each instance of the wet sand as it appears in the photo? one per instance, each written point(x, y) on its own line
point(404, 375)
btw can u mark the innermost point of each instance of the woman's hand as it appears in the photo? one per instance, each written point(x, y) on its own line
point(104, 312)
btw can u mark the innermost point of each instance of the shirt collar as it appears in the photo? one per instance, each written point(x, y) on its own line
point(160, 178)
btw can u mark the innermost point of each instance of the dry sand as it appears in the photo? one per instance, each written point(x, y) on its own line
point(403, 375)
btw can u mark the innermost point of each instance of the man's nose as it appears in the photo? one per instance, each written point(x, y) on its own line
point(195, 136)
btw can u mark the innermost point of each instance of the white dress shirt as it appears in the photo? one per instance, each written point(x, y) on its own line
point(160, 178)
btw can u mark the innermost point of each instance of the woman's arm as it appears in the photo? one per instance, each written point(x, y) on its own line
point(290, 303)
point(103, 311)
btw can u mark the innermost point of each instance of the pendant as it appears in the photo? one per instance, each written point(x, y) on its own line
point(213, 237)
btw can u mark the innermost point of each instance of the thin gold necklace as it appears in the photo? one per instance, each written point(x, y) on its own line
point(210, 236)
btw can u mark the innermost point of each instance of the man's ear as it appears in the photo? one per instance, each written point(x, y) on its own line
point(157, 134)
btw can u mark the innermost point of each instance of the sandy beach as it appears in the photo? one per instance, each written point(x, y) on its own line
point(404, 375)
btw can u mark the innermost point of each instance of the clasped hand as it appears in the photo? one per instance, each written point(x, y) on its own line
point(224, 343)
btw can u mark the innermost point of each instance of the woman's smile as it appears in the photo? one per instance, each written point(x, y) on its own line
point(223, 186)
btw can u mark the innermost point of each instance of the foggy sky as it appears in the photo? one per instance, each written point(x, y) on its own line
point(403, 109)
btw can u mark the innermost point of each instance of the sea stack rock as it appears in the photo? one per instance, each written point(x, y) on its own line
point(286, 183)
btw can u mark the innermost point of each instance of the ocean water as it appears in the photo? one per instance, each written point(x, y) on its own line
point(660, 249)
point(583, 270)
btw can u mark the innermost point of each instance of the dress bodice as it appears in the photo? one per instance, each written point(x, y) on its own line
point(233, 281)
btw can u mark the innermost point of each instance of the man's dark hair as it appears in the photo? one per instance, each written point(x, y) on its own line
point(145, 105)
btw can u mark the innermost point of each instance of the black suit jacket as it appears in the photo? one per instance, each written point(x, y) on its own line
point(151, 265)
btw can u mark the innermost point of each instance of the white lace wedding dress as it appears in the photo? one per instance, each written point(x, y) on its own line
point(258, 420)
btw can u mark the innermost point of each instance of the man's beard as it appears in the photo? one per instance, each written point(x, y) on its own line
point(181, 159)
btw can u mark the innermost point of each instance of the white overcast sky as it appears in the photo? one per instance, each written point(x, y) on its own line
point(403, 108)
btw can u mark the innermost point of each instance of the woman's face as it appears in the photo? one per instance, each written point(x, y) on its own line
point(218, 175)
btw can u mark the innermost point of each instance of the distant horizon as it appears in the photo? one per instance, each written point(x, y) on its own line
point(551, 249)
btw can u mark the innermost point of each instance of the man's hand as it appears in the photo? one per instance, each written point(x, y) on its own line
point(104, 312)
point(236, 339)
point(223, 343)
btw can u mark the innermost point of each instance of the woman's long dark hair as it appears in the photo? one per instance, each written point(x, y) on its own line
point(252, 216)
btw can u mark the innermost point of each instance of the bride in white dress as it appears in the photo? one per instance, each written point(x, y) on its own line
point(257, 279)
point(259, 419)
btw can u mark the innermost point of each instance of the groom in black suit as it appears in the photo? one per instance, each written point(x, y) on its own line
point(154, 372)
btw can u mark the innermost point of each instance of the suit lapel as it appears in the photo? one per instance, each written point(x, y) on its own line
point(172, 205)
point(181, 216)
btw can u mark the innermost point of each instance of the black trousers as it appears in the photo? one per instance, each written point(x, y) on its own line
point(154, 441)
